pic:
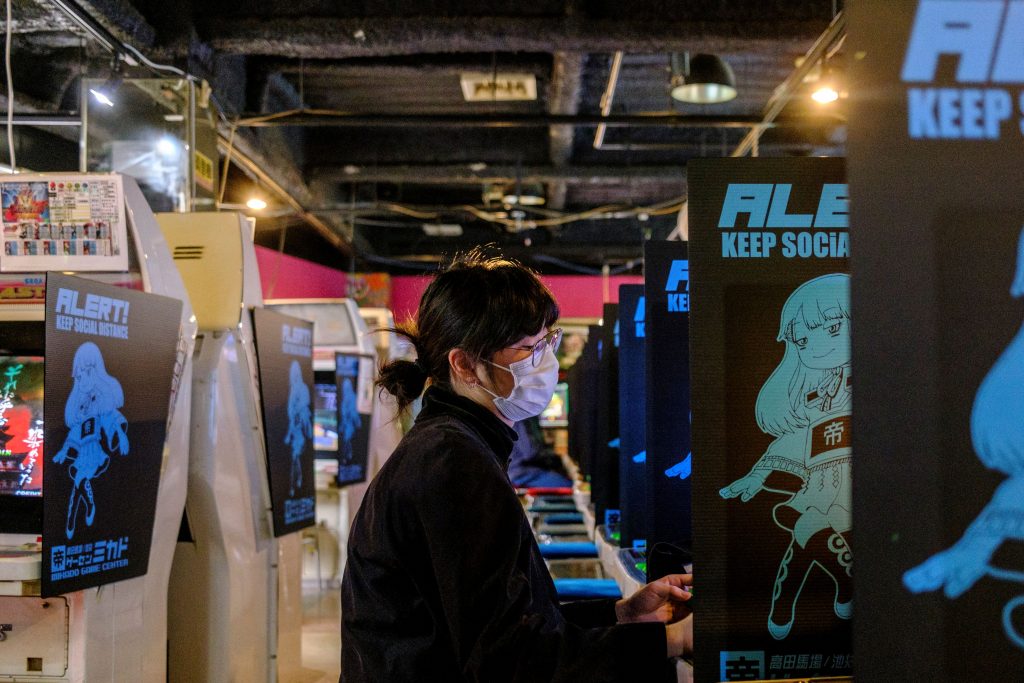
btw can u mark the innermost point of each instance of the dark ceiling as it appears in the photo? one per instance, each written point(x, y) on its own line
point(385, 141)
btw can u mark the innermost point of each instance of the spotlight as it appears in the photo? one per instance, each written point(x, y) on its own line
point(827, 88)
point(256, 204)
point(104, 94)
point(167, 148)
point(704, 79)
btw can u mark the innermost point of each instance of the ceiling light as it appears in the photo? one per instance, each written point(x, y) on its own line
point(167, 147)
point(704, 79)
point(826, 90)
point(104, 94)
point(256, 204)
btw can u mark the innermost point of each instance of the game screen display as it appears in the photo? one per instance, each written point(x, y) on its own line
point(21, 425)
point(325, 417)
point(557, 412)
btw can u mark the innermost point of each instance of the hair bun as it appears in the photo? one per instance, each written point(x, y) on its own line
point(403, 379)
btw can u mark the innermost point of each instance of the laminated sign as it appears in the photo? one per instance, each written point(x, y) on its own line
point(284, 351)
point(935, 144)
point(353, 374)
point(110, 355)
point(772, 397)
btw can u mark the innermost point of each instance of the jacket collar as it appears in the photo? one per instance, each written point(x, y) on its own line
point(442, 401)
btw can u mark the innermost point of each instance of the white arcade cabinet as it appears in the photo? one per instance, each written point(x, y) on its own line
point(117, 632)
point(225, 592)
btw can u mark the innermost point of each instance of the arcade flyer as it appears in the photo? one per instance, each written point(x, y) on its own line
point(667, 388)
point(936, 103)
point(110, 357)
point(284, 352)
point(632, 448)
point(73, 222)
point(772, 410)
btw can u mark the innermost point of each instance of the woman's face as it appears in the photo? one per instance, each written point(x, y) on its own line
point(823, 345)
point(502, 380)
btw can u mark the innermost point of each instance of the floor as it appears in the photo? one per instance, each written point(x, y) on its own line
point(321, 632)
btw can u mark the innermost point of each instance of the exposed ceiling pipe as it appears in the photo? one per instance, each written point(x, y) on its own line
point(608, 97)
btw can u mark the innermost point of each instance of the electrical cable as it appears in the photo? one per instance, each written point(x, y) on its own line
point(10, 92)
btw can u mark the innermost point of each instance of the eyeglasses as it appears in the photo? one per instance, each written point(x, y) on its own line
point(552, 338)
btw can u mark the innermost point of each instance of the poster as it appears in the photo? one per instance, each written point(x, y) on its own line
point(73, 222)
point(284, 353)
point(667, 388)
point(632, 449)
point(935, 195)
point(772, 414)
point(352, 375)
point(110, 357)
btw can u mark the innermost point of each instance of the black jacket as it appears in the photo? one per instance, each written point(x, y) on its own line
point(445, 581)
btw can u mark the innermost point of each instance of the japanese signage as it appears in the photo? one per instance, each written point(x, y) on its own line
point(63, 222)
point(110, 360)
point(772, 399)
point(352, 373)
point(939, 501)
point(284, 351)
point(632, 449)
point(667, 388)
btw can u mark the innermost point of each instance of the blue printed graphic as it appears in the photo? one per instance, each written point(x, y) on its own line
point(97, 430)
point(350, 421)
point(997, 433)
point(746, 665)
point(300, 422)
point(640, 457)
point(805, 404)
point(681, 469)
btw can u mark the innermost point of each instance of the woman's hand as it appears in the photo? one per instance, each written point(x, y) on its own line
point(662, 600)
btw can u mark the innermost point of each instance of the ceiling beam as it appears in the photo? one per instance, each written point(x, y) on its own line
point(341, 38)
point(337, 119)
point(463, 175)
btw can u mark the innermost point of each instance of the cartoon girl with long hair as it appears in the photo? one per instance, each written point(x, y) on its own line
point(350, 421)
point(805, 404)
point(300, 422)
point(997, 433)
point(97, 429)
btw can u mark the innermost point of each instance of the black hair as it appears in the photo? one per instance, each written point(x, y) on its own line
point(481, 304)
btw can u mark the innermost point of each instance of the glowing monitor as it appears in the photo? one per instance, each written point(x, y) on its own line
point(557, 412)
point(21, 425)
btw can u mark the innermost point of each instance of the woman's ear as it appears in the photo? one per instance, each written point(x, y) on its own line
point(462, 367)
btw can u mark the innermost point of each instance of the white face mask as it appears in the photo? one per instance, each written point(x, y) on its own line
point(533, 387)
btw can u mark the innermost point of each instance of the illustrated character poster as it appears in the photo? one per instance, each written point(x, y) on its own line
point(935, 145)
point(353, 417)
point(667, 387)
point(63, 222)
point(110, 355)
point(284, 352)
point(772, 397)
point(631, 400)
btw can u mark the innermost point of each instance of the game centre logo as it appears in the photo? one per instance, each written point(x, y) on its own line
point(983, 39)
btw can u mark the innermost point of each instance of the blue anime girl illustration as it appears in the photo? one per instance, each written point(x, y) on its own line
point(97, 429)
point(805, 404)
point(300, 422)
point(997, 433)
point(350, 421)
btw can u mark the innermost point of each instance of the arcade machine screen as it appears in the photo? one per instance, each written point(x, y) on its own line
point(21, 425)
point(325, 416)
point(557, 412)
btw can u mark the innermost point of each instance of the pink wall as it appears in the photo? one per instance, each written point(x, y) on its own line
point(579, 296)
point(289, 277)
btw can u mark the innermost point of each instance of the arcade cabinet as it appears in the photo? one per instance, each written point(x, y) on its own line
point(235, 589)
point(115, 632)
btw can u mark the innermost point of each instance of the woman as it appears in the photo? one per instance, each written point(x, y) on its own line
point(444, 580)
